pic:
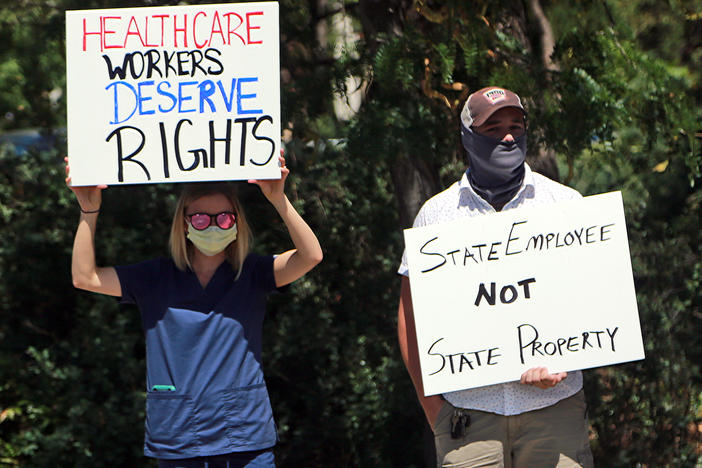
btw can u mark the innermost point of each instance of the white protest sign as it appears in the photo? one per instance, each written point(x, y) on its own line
point(173, 94)
point(498, 294)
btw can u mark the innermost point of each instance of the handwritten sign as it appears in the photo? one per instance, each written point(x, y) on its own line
point(173, 94)
point(499, 294)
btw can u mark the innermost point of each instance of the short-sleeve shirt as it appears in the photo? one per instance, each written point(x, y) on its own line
point(205, 389)
point(458, 201)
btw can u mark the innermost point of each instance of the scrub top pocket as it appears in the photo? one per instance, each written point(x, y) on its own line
point(170, 423)
point(250, 415)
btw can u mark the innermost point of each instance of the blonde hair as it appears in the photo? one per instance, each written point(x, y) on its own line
point(182, 249)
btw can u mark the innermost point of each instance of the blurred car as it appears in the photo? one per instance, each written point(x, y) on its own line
point(22, 141)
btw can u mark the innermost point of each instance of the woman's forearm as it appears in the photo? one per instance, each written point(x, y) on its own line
point(83, 267)
point(84, 270)
point(293, 264)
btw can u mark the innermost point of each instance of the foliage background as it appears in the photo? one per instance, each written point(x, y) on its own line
point(615, 104)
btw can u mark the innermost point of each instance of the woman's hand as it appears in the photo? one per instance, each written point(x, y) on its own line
point(89, 198)
point(540, 377)
point(274, 189)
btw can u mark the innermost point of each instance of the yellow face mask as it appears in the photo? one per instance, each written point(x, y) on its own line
point(212, 240)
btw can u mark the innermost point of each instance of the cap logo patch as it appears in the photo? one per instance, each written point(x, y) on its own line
point(495, 95)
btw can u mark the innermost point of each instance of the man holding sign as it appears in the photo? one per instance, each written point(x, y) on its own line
point(540, 420)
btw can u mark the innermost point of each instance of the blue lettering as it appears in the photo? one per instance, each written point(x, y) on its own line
point(227, 102)
point(240, 97)
point(143, 99)
point(207, 89)
point(116, 101)
point(170, 96)
point(182, 98)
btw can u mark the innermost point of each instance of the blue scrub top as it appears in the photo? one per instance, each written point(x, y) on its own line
point(205, 389)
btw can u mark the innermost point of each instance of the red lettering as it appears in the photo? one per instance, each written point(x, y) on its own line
point(86, 34)
point(199, 46)
point(146, 34)
point(249, 27)
point(231, 31)
point(163, 25)
point(105, 32)
point(136, 33)
point(220, 31)
point(184, 30)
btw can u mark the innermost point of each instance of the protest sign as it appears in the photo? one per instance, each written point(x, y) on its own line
point(496, 295)
point(173, 94)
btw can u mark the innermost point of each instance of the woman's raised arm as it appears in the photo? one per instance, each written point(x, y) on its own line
point(86, 275)
point(292, 264)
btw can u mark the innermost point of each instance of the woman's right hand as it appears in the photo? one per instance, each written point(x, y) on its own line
point(90, 197)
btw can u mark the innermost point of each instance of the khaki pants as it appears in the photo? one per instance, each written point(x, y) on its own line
point(556, 436)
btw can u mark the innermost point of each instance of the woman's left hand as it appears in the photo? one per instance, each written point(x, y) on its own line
point(274, 189)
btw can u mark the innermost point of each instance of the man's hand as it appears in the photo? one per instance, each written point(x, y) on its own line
point(540, 377)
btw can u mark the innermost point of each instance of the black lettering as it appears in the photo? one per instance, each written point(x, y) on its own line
point(227, 140)
point(169, 65)
point(443, 360)
point(265, 118)
point(611, 336)
point(450, 356)
point(195, 59)
point(503, 295)
point(480, 250)
point(443, 259)
point(549, 238)
point(120, 151)
point(493, 251)
point(477, 356)
point(151, 63)
point(571, 344)
point(490, 356)
point(525, 285)
point(588, 235)
point(182, 60)
point(572, 239)
point(510, 239)
point(468, 255)
point(208, 56)
point(176, 145)
point(523, 346)
point(597, 334)
point(242, 152)
point(546, 348)
point(465, 360)
point(128, 61)
point(483, 292)
point(537, 240)
point(603, 231)
point(164, 150)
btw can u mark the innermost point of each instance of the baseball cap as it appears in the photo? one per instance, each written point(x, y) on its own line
point(483, 103)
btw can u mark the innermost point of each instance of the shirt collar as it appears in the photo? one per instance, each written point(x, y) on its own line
point(526, 188)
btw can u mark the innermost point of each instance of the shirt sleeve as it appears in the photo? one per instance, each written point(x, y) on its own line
point(137, 280)
point(419, 220)
point(262, 271)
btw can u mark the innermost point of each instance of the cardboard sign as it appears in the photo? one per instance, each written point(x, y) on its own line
point(173, 94)
point(496, 295)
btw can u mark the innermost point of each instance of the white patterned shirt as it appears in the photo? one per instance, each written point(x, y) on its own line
point(460, 200)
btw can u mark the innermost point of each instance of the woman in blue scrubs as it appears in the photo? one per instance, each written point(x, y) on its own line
point(202, 311)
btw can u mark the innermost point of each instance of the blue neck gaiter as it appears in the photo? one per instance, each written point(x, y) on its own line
point(496, 167)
